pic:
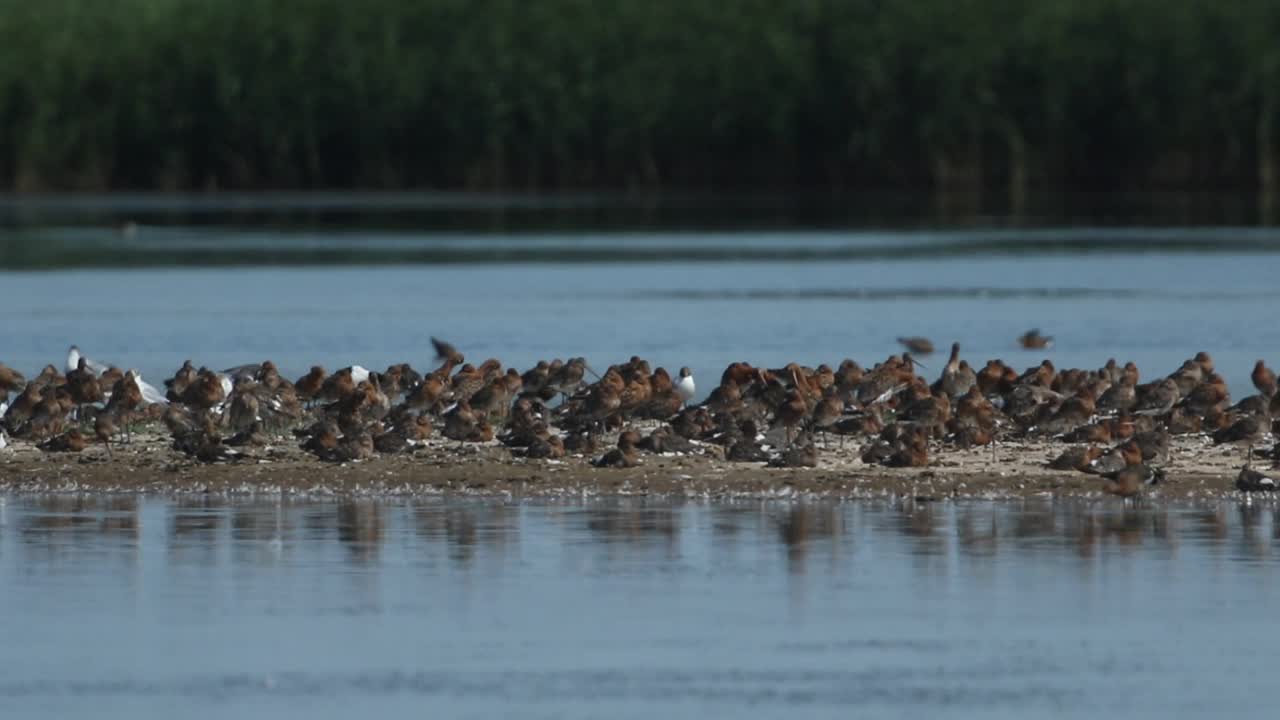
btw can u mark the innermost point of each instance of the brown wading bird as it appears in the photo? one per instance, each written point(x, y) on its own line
point(181, 380)
point(126, 397)
point(447, 353)
point(791, 412)
point(1128, 481)
point(957, 377)
point(1264, 379)
point(603, 401)
point(104, 427)
point(623, 456)
point(11, 381)
point(898, 418)
point(801, 453)
point(308, 386)
point(1246, 431)
point(550, 448)
point(1157, 398)
point(917, 345)
point(69, 441)
point(1126, 454)
point(253, 435)
point(1077, 458)
point(826, 413)
point(1033, 340)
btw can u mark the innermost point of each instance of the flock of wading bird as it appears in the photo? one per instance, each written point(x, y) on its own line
point(1119, 428)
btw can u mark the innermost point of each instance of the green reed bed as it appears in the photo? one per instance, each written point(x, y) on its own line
point(543, 94)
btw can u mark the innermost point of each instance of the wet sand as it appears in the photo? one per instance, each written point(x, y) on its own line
point(1195, 470)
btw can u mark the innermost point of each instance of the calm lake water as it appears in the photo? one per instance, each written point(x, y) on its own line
point(150, 281)
point(207, 607)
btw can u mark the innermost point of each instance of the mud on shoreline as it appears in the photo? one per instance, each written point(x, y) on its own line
point(1195, 470)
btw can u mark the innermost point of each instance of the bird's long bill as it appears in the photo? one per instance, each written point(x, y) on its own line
point(917, 363)
point(594, 374)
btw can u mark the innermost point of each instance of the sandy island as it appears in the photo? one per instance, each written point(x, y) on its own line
point(1195, 470)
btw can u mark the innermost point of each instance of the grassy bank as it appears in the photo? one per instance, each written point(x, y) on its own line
point(954, 94)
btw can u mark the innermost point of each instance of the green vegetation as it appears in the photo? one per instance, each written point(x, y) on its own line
point(542, 94)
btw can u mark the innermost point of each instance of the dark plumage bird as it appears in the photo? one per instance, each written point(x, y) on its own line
point(177, 385)
point(791, 412)
point(1124, 455)
point(747, 450)
point(104, 427)
point(308, 386)
point(957, 377)
point(446, 352)
point(1250, 480)
point(623, 456)
point(11, 381)
point(1264, 379)
point(917, 345)
point(1157, 399)
point(1129, 481)
point(1033, 340)
point(1154, 444)
point(69, 441)
point(548, 448)
point(1246, 431)
point(252, 435)
point(801, 453)
point(664, 440)
point(321, 439)
point(1076, 458)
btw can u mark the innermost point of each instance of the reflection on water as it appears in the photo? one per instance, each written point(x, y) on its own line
point(71, 247)
point(50, 527)
point(70, 523)
point(122, 605)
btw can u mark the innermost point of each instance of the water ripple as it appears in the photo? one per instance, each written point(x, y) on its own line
point(897, 686)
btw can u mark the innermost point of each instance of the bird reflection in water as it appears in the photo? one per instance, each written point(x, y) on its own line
point(631, 528)
point(63, 525)
point(468, 527)
point(360, 529)
point(802, 526)
point(813, 537)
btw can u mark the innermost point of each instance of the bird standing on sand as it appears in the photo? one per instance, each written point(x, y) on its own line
point(84, 387)
point(1250, 480)
point(623, 456)
point(1129, 481)
point(791, 413)
point(957, 377)
point(1246, 431)
point(70, 441)
point(685, 386)
point(1157, 399)
point(103, 428)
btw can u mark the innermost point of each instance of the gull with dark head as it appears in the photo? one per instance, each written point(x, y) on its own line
point(685, 386)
